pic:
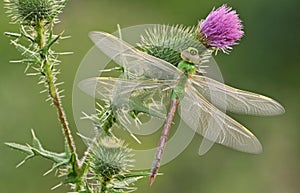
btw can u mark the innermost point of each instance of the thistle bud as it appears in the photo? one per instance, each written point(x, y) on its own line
point(31, 12)
point(110, 157)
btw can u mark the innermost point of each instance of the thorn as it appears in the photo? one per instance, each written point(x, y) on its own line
point(32, 74)
point(48, 172)
point(21, 163)
point(135, 138)
point(59, 83)
point(58, 185)
point(43, 91)
point(33, 134)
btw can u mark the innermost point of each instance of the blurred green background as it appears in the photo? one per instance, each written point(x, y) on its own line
point(266, 61)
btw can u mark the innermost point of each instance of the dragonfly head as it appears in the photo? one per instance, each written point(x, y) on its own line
point(190, 55)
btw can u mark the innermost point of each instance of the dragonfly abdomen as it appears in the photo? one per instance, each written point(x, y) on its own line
point(163, 139)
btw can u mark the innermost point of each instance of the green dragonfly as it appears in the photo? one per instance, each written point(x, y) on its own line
point(202, 100)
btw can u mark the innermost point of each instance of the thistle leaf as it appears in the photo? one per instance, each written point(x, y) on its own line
point(25, 51)
point(132, 175)
point(23, 148)
point(37, 150)
point(50, 42)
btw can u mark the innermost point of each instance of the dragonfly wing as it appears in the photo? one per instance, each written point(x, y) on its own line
point(214, 125)
point(137, 63)
point(127, 122)
point(140, 95)
point(91, 86)
point(235, 100)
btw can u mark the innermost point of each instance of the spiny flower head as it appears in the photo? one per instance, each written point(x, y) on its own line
point(110, 157)
point(166, 42)
point(29, 12)
point(221, 29)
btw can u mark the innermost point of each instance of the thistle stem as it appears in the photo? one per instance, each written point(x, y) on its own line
point(103, 186)
point(52, 89)
point(88, 151)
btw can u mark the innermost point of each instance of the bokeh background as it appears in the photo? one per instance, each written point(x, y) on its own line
point(266, 61)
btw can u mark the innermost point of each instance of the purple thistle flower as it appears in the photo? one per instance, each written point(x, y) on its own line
point(221, 29)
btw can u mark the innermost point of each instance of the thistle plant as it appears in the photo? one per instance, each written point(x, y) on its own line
point(107, 163)
point(35, 41)
point(36, 20)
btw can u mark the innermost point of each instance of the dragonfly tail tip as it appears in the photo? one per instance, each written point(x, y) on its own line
point(152, 178)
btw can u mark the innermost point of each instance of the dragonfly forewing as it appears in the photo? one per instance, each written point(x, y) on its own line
point(234, 100)
point(135, 62)
point(214, 125)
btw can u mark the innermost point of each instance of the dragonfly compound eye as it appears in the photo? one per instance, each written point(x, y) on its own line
point(193, 51)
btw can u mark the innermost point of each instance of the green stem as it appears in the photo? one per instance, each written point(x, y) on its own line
point(103, 186)
point(52, 89)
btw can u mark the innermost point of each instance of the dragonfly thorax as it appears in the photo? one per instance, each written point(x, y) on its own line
point(187, 67)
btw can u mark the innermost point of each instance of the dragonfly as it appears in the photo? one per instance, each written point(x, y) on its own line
point(187, 88)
